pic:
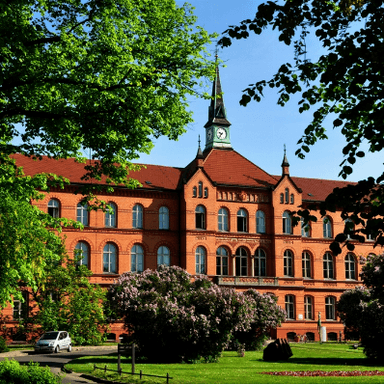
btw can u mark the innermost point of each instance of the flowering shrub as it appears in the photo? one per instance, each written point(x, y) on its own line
point(172, 317)
point(362, 308)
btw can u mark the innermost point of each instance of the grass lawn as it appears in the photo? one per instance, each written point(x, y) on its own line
point(248, 369)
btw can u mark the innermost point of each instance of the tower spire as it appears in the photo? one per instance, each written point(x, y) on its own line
point(217, 127)
point(285, 164)
point(216, 112)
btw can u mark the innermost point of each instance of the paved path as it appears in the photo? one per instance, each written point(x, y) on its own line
point(55, 361)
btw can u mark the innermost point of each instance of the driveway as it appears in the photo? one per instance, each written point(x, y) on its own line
point(55, 361)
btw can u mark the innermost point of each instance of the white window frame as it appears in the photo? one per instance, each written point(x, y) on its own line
point(287, 223)
point(110, 217)
point(290, 307)
point(260, 222)
point(306, 264)
point(163, 218)
point(328, 266)
point(137, 216)
point(222, 262)
point(110, 258)
point(260, 262)
point(288, 263)
point(242, 220)
point(200, 214)
point(350, 267)
point(82, 213)
point(83, 248)
point(163, 256)
point(241, 262)
point(137, 258)
point(222, 220)
point(54, 208)
point(200, 258)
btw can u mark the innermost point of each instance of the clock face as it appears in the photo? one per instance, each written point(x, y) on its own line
point(209, 134)
point(221, 133)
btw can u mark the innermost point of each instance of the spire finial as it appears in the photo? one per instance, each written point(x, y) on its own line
point(285, 164)
point(199, 151)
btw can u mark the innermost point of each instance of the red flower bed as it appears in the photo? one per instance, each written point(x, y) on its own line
point(326, 373)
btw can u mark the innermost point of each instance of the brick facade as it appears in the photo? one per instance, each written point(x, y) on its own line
point(221, 202)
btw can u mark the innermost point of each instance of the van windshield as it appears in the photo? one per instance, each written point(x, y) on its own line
point(49, 336)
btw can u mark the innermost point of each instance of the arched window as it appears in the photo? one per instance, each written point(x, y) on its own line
point(292, 198)
point(82, 214)
point(260, 222)
point(281, 198)
point(221, 262)
point(327, 227)
point(350, 267)
point(200, 260)
point(260, 263)
point(194, 192)
point(20, 307)
point(328, 268)
point(82, 252)
point(306, 265)
point(54, 208)
point(308, 308)
point(137, 216)
point(223, 220)
point(137, 258)
point(286, 194)
point(241, 262)
point(330, 308)
point(349, 227)
point(205, 192)
point(110, 216)
point(241, 220)
point(200, 217)
point(287, 223)
point(110, 258)
point(290, 307)
point(163, 256)
point(163, 218)
point(305, 229)
point(200, 189)
point(288, 263)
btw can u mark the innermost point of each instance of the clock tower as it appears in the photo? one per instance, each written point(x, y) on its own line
point(217, 127)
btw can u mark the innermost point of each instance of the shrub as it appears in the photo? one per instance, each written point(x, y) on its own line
point(362, 309)
point(11, 372)
point(172, 317)
point(3, 345)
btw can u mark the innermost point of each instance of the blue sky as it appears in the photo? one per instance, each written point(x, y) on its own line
point(260, 130)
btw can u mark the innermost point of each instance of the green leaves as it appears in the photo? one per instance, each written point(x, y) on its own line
point(107, 76)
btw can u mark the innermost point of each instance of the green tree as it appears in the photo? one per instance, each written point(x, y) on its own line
point(345, 84)
point(362, 309)
point(105, 75)
point(29, 238)
point(68, 301)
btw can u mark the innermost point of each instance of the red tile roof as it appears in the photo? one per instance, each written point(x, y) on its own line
point(317, 189)
point(225, 167)
point(231, 168)
point(151, 177)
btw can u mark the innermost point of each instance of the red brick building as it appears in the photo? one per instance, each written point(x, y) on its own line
point(222, 216)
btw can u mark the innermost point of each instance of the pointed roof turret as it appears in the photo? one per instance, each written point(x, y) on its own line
point(285, 164)
point(199, 154)
point(216, 111)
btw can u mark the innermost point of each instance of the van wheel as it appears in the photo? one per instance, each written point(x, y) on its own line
point(57, 349)
point(70, 348)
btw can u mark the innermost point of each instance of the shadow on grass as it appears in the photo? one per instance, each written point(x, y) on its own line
point(98, 361)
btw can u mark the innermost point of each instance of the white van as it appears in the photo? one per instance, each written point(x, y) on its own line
point(54, 342)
